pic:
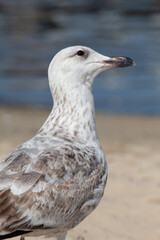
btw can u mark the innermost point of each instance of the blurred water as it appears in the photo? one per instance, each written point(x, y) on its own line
point(32, 31)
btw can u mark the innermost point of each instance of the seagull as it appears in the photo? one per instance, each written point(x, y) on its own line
point(53, 181)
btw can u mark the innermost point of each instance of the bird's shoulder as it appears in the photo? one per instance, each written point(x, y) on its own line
point(52, 159)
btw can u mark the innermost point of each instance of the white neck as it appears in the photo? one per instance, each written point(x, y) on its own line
point(73, 115)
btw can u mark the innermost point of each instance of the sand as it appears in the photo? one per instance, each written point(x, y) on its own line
point(130, 208)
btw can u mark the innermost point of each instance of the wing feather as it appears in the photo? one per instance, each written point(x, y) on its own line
point(24, 182)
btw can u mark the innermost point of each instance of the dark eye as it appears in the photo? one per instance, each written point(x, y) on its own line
point(80, 53)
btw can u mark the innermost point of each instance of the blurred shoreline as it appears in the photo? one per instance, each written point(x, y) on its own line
point(131, 203)
point(32, 32)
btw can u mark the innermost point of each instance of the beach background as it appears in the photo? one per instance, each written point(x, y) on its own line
point(127, 100)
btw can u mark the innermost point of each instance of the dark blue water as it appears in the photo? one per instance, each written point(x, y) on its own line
point(32, 31)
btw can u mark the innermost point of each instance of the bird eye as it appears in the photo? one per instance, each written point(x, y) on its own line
point(80, 53)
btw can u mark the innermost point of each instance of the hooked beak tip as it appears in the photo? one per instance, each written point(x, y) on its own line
point(128, 62)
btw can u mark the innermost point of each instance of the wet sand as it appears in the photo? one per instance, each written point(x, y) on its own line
point(130, 208)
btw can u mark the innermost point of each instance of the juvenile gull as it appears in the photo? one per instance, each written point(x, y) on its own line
point(50, 183)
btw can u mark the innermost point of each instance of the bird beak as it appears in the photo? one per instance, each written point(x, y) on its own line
point(117, 62)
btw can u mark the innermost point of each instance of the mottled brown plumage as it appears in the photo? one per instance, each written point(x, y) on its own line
point(50, 183)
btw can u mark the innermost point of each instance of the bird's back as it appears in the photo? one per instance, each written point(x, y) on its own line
point(50, 184)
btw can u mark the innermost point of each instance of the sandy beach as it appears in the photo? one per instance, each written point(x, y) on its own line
point(130, 208)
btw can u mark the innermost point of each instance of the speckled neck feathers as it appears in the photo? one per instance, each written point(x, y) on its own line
point(73, 115)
